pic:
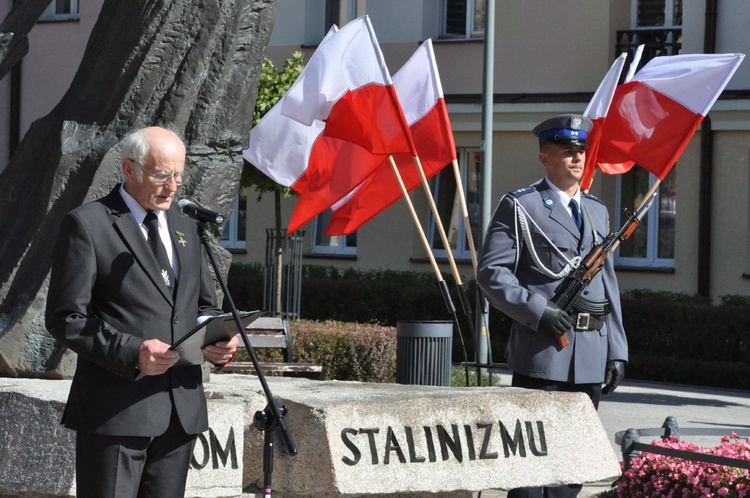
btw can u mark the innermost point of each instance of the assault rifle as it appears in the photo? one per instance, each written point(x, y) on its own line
point(570, 299)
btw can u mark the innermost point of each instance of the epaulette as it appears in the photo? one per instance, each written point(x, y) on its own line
point(522, 191)
point(589, 196)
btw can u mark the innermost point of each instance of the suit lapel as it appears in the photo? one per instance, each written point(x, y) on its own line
point(131, 234)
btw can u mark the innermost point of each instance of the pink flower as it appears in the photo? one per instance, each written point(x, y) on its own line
point(652, 475)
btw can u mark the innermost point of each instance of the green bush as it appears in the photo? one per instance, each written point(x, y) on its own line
point(694, 372)
point(245, 283)
point(371, 296)
point(687, 330)
point(348, 351)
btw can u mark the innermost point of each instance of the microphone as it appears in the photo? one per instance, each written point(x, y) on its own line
point(200, 213)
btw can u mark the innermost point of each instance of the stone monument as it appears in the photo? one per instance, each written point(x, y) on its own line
point(188, 65)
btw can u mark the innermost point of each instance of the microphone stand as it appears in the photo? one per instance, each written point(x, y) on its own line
point(271, 418)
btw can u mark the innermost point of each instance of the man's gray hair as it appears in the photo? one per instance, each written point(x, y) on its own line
point(136, 147)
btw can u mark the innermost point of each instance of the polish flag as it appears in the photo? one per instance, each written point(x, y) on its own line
point(420, 93)
point(634, 64)
point(653, 117)
point(334, 126)
point(596, 111)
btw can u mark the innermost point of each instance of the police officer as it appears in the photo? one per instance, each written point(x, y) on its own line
point(536, 237)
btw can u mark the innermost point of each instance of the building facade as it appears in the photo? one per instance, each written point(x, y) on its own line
point(549, 58)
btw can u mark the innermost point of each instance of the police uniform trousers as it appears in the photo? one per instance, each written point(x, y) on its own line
point(134, 466)
point(594, 391)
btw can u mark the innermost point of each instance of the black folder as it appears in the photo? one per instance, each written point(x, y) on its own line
point(215, 329)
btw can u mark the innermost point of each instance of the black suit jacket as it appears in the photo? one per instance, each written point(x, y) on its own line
point(106, 297)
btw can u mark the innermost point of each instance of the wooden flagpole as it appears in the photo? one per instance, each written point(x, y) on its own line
point(431, 256)
point(438, 221)
point(465, 212)
point(414, 216)
point(461, 289)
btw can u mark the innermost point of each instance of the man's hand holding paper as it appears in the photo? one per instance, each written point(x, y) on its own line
point(156, 357)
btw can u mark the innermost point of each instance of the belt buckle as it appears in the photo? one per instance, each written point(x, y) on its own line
point(582, 321)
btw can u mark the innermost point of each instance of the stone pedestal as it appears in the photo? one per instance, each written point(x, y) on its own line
point(37, 454)
point(389, 439)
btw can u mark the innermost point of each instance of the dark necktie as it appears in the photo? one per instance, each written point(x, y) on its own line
point(160, 253)
point(575, 213)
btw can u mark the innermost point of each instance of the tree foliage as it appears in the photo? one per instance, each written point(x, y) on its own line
point(272, 85)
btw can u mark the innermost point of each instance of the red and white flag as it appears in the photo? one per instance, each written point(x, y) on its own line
point(420, 93)
point(334, 126)
point(653, 117)
point(596, 111)
point(634, 64)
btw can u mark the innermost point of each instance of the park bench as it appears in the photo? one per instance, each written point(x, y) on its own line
point(272, 332)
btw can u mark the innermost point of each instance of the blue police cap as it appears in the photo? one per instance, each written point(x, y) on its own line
point(566, 129)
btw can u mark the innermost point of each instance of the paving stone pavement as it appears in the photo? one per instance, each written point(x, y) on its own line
point(646, 405)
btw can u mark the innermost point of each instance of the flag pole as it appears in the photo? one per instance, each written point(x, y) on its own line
point(643, 203)
point(431, 256)
point(461, 289)
point(472, 249)
point(422, 235)
point(465, 212)
point(592, 181)
point(438, 221)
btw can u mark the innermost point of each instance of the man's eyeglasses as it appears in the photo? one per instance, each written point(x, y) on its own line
point(163, 177)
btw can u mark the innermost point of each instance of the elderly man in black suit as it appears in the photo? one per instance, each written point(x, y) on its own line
point(129, 278)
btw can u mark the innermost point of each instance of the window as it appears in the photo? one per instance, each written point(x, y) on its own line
point(651, 245)
point(463, 18)
point(340, 245)
point(657, 24)
point(60, 10)
point(449, 206)
point(335, 14)
point(332, 12)
point(653, 13)
point(233, 236)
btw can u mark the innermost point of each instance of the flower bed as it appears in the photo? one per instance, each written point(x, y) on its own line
point(653, 475)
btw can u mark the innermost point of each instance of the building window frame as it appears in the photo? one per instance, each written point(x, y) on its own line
point(474, 24)
point(61, 10)
point(337, 245)
point(234, 234)
point(338, 12)
point(672, 13)
point(658, 223)
point(469, 161)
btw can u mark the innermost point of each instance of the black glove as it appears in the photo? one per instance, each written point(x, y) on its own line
point(613, 374)
point(554, 320)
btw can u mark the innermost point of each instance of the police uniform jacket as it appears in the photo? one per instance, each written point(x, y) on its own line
point(513, 283)
point(106, 297)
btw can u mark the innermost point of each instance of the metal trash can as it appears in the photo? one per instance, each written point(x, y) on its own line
point(423, 352)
